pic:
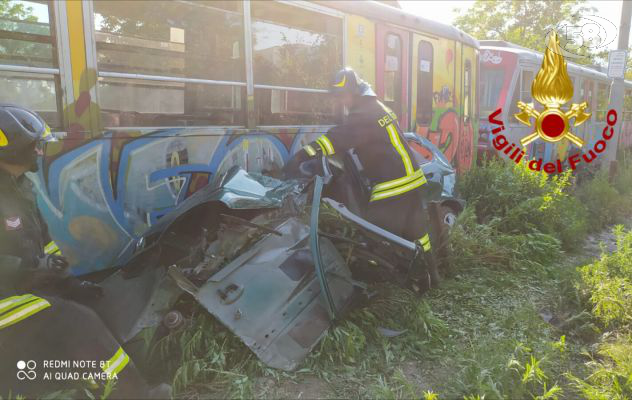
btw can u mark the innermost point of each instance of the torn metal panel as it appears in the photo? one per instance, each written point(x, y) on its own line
point(270, 296)
point(132, 304)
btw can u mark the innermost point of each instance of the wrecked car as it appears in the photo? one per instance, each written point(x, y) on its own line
point(275, 261)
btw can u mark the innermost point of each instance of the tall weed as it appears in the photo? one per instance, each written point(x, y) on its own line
point(607, 283)
point(519, 200)
point(604, 203)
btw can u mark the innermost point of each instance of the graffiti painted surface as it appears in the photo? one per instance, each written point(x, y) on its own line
point(101, 195)
point(448, 129)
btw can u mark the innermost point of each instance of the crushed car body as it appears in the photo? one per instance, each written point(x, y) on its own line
point(275, 261)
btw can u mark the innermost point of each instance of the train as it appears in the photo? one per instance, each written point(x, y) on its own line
point(507, 72)
point(152, 99)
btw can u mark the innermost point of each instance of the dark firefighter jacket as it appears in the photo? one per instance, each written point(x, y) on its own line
point(23, 232)
point(372, 130)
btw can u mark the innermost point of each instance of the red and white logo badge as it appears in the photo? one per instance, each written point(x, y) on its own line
point(13, 224)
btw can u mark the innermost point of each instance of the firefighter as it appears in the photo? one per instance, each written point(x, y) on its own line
point(37, 324)
point(393, 177)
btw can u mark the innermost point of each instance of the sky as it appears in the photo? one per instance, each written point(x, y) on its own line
point(442, 11)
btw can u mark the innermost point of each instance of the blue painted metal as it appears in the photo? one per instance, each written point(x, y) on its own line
point(99, 197)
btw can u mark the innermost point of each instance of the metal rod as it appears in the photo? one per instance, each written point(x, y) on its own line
point(250, 89)
point(34, 70)
point(617, 90)
point(105, 74)
point(293, 89)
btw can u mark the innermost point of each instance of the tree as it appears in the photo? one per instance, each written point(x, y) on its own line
point(525, 22)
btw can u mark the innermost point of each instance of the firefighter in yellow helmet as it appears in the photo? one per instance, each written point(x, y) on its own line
point(394, 178)
point(40, 320)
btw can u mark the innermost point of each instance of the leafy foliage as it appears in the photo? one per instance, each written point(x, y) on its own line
point(517, 200)
point(603, 201)
point(608, 284)
point(524, 22)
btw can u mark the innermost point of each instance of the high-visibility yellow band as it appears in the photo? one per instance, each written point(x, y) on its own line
point(394, 136)
point(399, 181)
point(342, 82)
point(14, 301)
point(3, 139)
point(35, 305)
point(322, 148)
point(46, 131)
point(115, 365)
point(52, 248)
point(310, 150)
point(424, 241)
point(398, 190)
point(326, 143)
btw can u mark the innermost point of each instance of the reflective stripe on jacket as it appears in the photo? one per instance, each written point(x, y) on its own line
point(372, 130)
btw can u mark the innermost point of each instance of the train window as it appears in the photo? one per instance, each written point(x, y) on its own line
point(627, 105)
point(492, 80)
point(602, 101)
point(467, 91)
point(201, 39)
point(289, 107)
point(393, 72)
point(297, 49)
point(28, 62)
point(588, 94)
point(137, 102)
point(294, 47)
point(525, 88)
point(160, 62)
point(522, 92)
point(573, 81)
point(424, 83)
point(578, 90)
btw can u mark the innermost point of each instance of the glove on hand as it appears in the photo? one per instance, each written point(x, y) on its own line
point(53, 262)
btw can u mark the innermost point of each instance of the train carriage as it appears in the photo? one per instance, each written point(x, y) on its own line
point(156, 97)
point(507, 72)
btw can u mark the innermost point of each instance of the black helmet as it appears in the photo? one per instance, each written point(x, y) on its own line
point(20, 128)
point(347, 81)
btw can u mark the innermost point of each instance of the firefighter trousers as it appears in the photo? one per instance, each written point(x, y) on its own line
point(61, 345)
point(405, 216)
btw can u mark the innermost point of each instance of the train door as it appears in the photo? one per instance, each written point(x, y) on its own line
point(468, 117)
point(434, 109)
point(578, 97)
point(392, 65)
point(424, 69)
point(589, 96)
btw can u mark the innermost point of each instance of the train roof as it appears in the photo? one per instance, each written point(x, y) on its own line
point(524, 53)
point(392, 15)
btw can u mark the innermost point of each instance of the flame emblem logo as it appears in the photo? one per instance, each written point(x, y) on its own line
point(552, 88)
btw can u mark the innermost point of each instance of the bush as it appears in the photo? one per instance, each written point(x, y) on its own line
point(603, 201)
point(607, 283)
point(521, 201)
point(475, 244)
point(623, 181)
point(611, 376)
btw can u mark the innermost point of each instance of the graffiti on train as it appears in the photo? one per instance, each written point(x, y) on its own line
point(100, 196)
point(455, 140)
